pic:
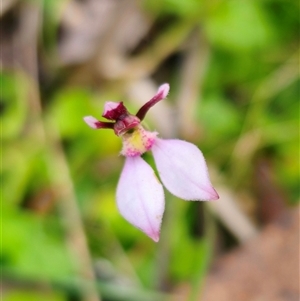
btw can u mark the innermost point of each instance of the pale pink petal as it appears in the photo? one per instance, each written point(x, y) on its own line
point(91, 121)
point(183, 170)
point(140, 196)
point(164, 89)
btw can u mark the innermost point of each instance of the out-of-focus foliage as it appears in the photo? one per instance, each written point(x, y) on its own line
point(246, 116)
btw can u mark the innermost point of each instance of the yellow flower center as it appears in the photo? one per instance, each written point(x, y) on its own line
point(137, 141)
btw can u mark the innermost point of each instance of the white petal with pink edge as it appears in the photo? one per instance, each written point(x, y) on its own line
point(140, 196)
point(164, 89)
point(91, 121)
point(182, 169)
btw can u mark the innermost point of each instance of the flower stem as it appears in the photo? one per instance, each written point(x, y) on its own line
point(68, 208)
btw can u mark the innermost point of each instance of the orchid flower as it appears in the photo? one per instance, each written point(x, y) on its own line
point(180, 164)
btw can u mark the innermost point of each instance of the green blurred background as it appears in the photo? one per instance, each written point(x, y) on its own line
point(233, 69)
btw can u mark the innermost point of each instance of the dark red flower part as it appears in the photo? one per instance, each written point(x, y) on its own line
point(162, 93)
point(123, 120)
point(96, 124)
point(125, 123)
point(114, 110)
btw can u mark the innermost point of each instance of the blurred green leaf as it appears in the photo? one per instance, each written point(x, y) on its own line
point(238, 25)
point(219, 117)
point(68, 109)
point(28, 295)
point(28, 250)
point(180, 8)
point(14, 94)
